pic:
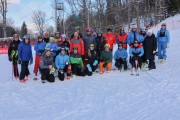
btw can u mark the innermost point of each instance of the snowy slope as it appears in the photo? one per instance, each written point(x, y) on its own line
point(154, 95)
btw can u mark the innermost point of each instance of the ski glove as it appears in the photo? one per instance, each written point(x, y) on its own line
point(10, 59)
point(89, 67)
point(95, 63)
point(19, 61)
point(31, 62)
point(67, 63)
point(52, 70)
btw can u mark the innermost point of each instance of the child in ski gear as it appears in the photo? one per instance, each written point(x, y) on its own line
point(78, 42)
point(39, 47)
point(57, 37)
point(110, 38)
point(13, 54)
point(62, 64)
point(99, 44)
point(105, 59)
point(132, 36)
point(120, 57)
point(91, 60)
point(76, 63)
point(52, 46)
point(150, 46)
point(64, 43)
point(122, 38)
point(47, 67)
point(46, 37)
point(136, 51)
point(163, 39)
point(25, 57)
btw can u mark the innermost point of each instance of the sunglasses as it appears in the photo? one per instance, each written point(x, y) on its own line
point(91, 46)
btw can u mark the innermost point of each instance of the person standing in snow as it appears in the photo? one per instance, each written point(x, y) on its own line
point(46, 37)
point(133, 35)
point(25, 57)
point(150, 46)
point(78, 42)
point(99, 44)
point(52, 46)
point(64, 43)
point(46, 65)
point(120, 57)
point(13, 54)
point(57, 37)
point(91, 58)
point(77, 29)
point(105, 59)
point(163, 39)
point(122, 38)
point(39, 47)
point(88, 39)
point(63, 64)
point(110, 38)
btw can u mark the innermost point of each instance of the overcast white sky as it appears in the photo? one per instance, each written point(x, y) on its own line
point(21, 10)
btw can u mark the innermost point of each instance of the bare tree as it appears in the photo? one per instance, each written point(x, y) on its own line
point(39, 18)
point(50, 29)
point(3, 11)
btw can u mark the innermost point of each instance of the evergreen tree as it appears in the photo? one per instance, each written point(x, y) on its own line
point(23, 29)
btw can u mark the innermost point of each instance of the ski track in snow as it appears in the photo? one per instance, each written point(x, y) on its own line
point(154, 95)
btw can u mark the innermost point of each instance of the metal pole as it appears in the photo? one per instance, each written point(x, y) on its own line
point(55, 8)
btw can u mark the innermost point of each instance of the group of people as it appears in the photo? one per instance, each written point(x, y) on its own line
point(83, 54)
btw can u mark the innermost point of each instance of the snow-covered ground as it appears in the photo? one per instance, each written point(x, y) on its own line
point(154, 95)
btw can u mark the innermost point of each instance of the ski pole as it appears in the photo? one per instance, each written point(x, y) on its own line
point(12, 70)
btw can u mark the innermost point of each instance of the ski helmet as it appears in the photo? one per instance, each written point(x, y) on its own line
point(75, 48)
point(88, 30)
point(109, 30)
point(120, 44)
point(107, 46)
point(15, 35)
point(51, 38)
point(136, 42)
point(163, 24)
point(77, 28)
point(63, 36)
point(26, 36)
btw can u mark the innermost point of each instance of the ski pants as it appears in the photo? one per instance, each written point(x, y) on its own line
point(121, 62)
point(24, 69)
point(61, 73)
point(15, 67)
point(108, 66)
point(139, 62)
point(151, 64)
point(36, 65)
point(162, 50)
point(45, 75)
point(76, 70)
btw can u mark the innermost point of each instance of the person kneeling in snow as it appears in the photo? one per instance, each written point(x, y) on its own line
point(120, 57)
point(76, 63)
point(92, 60)
point(105, 59)
point(47, 67)
point(136, 51)
point(62, 64)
